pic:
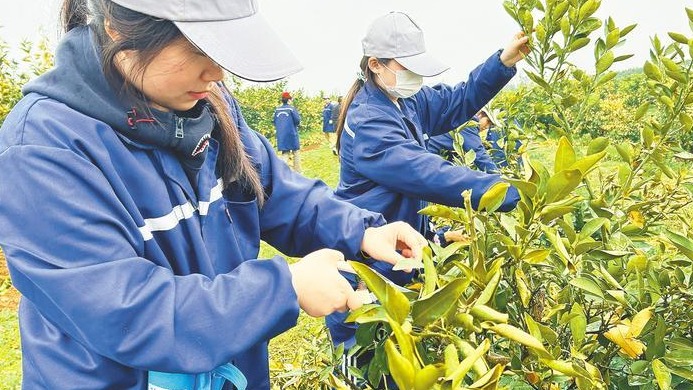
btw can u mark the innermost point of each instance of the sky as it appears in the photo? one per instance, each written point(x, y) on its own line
point(326, 35)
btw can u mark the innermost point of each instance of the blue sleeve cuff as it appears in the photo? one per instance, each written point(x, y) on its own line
point(508, 71)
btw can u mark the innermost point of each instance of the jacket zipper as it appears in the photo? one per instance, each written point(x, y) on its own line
point(179, 127)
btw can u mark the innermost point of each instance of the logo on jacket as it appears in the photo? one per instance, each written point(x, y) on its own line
point(201, 145)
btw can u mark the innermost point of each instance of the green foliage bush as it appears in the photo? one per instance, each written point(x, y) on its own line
point(37, 58)
point(587, 284)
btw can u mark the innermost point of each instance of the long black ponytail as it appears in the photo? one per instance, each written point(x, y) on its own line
point(366, 75)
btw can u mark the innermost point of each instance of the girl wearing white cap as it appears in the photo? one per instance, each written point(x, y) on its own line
point(134, 197)
point(383, 133)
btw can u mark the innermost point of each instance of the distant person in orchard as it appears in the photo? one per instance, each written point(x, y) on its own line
point(135, 196)
point(385, 166)
point(336, 109)
point(327, 122)
point(286, 120)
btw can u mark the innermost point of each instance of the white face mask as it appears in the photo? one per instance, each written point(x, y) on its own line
point(407, 83)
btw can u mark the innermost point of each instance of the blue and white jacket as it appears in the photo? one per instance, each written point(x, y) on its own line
point(385, 166)
point(126, 267)
point(286, 120)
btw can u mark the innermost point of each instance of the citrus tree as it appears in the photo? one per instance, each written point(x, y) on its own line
point(587, 284)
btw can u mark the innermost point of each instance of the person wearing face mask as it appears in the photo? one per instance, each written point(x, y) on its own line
point(383, 134)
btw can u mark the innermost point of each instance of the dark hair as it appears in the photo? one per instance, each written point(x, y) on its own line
point(285, 100)
point(369, 76)
point(147, 36)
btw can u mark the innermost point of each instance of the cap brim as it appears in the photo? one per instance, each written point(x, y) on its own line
point(423, 64)
point(247, 47)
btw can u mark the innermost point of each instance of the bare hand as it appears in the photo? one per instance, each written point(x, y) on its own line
point(382, 243)
point(321, 290)
point(516, 50)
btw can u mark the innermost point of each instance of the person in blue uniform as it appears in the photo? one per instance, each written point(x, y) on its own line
point(443, 145)
point(286, 120)
point(490, 152)
point(327, 122)
point(134, 198)
point(385, 165)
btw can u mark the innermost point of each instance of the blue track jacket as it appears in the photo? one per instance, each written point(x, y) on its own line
point(327, 124)
point(124, 267)
point(385, 166)
point(286, 120)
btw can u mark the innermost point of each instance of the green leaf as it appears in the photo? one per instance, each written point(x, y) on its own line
point(485, 313)
point(652, 71)
point(590, 227)
point(526, 188)
point(490, 289)
point(606, 77)
point(684, 155)
point(680, 38)
point(565, 367)
point(585, 165)
point(436, 210)
point(490, 379)
point(625, 151)
point(465, 365)
point(597, 145)
point(647, 136)
point(428, 376)
point(609, 254)
point(642, 110)
point(493, 198)
point(522, 337)
point(587, 9)
point(562, 184)
point(627, 29)
point(395, 302)
point(565, 155)
point(451, 359)
point(605, 62)
point(430, 273)
point(609, 278)
point(578, 44)
point(686, 121)
point(537, 256)
point(428, 310)
point(623, 57)
point(662, 374)
point(555, 239)
point(612, 38)
point(401, 369)
point(551, 213)
point(538, 80)
point(578, 325)
point(367, 313)
point(682, 243)
point(588, 286)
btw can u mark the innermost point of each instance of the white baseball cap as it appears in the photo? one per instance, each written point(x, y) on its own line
point(396, 36)
point(230, 32)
